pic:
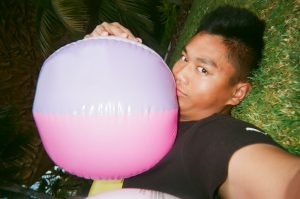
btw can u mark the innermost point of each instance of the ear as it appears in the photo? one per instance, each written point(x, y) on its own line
point(240, 91)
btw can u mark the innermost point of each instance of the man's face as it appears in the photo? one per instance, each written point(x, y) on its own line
point(202, 78)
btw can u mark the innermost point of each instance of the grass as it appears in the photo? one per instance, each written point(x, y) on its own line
point(273, 103)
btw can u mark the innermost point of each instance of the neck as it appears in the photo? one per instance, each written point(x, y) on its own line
point(190, 117)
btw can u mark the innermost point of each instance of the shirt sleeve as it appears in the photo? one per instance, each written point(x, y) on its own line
point(209, 150)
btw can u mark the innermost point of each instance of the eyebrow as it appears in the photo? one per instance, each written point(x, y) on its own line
point(203, 60)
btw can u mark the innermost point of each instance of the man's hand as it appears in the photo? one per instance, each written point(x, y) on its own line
point(113, 29)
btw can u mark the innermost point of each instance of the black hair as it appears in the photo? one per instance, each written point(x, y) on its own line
point(242, 32)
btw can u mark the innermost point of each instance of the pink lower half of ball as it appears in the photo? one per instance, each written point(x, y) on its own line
point(107, 147)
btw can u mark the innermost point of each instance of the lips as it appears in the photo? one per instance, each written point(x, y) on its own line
point(180, 92)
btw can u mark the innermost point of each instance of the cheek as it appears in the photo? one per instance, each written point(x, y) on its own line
point(207, 90)
point(201, 87)
point(176, 68)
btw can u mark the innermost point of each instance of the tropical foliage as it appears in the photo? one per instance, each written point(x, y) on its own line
point(19, 62)
point(61, 21)
point(55, 17)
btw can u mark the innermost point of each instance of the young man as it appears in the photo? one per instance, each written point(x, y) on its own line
point(214, 154)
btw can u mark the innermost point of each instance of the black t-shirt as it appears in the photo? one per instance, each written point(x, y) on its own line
point(197, 164)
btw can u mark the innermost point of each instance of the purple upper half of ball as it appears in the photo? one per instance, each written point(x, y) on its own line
point(104, 75)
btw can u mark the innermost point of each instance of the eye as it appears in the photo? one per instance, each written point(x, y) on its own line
point(202, 70)
point(183, 58)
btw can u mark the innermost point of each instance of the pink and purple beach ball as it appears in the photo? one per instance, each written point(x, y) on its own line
point(106, 108)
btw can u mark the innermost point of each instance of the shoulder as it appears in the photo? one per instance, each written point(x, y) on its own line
point(230, 132)
point(262, 171)
point(220, 136)
point(224, 122)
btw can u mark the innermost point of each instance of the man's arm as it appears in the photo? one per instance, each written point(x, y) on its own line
point(262, 171)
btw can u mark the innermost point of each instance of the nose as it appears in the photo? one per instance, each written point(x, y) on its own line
point(182, 73)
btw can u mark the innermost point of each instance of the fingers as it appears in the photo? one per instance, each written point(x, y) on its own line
point(98, 31)
point(120, 30)
point(114, 29)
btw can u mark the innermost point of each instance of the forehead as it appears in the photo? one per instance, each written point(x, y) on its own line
point(204, 44)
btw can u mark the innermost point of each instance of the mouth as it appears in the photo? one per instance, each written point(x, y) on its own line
point(180, 92)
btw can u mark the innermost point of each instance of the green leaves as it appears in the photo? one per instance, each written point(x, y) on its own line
point(72, 13)
point(59, 21)
point(16, 149)
point(138, 16)
point(55, 18)
point(49, 28)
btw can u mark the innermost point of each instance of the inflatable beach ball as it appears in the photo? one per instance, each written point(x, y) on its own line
point(133, 194)
point(106, 108)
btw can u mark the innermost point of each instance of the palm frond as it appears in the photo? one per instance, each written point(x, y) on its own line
point(72, 13)
point(7, 128)
point(49, 28)
point(57, 18)
point(16, 152)
point(108, 12)
point(138, 16)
